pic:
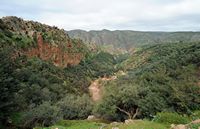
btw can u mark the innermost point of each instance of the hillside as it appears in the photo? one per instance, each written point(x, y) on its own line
point(45, 74)
point(34, 39)
point(159, 78)
point(127, 39)
point(157, 87)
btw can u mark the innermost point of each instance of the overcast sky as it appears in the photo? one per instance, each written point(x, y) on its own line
point(149, 15)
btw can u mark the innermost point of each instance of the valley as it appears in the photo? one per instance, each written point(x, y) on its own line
point(55, 79)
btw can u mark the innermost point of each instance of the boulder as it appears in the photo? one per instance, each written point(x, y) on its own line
point(114, 123)
point(91, 117)
point(172, 126)
point(129, 121)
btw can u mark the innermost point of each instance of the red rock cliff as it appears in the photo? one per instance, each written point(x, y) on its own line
point(55, 54)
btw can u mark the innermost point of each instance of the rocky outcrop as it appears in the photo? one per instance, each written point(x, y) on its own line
point(47, 52)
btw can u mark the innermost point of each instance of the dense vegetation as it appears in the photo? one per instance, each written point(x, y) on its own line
point(34, 88)
point(159, 78)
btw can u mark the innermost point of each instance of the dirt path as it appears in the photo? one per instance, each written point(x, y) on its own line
point(95, 88)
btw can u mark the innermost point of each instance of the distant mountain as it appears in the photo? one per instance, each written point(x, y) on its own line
point(127, 39)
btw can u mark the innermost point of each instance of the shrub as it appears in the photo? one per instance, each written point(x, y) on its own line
point(42, 115)
point(170, 118)
point(195, 115)
point(119, 103)
point(75, 107)
point(194, 126)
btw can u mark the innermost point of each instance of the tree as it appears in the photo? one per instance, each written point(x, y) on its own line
point(43, 115)
point(8, 86)
point(119, 102)
point(75, 107)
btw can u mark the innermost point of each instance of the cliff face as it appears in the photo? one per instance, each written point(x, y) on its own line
point(34, 39)
point(47, 52)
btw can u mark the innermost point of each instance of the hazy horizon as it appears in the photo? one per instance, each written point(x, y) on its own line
point(137, 30)
point(136, 15)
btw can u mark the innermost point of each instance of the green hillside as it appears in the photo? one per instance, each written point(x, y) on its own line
point(42, 79)
point(159, 78)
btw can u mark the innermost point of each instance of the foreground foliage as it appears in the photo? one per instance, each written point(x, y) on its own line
point(169, 118)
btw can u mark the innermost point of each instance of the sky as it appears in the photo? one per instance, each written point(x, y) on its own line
point(140, 15)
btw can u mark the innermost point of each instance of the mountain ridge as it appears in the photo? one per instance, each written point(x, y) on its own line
point(127, 39)
point(131, 30)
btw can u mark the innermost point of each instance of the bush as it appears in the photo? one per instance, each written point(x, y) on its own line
point(75, 107)
point(194, 126)
point(170, 118)
point(42, 115)
point(195, 115)
point(119, 103)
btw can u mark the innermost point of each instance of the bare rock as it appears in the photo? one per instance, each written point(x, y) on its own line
point(172, 126)
point(129, 121)
point(178, 126)
point(196, 121)
point(91, 117)
point(115, 128)
point(114, 123)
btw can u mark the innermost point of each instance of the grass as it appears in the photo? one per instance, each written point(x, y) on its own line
point(140, 124)
point(84, 124)
point(75, 124)
point(137, 124)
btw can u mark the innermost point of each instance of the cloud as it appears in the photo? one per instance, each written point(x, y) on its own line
point(162, 15)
